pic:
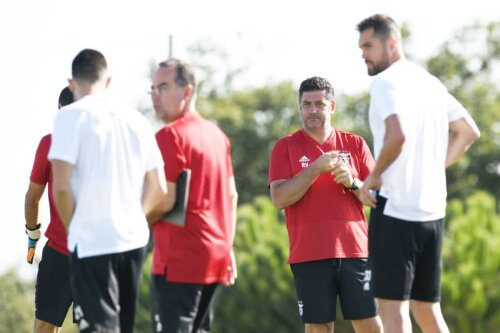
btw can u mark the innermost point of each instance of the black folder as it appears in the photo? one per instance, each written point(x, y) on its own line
point(177, 215)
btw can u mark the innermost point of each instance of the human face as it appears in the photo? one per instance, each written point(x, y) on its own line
point(169, 100)
point(374, 52)
point(316, 110)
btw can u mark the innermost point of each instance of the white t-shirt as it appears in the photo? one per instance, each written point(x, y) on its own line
point(415, 184)
point(111, 148)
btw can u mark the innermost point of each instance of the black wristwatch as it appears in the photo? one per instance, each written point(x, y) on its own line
point(356, 184)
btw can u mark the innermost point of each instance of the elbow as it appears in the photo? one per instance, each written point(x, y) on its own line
point(278, 203)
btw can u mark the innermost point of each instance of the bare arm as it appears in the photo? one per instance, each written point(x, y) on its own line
point(31, 202)
point(286, 192)
point(164, 203)
point(232, 269)
point(394, 139)
point(154, 191)
point(63, 194)
point(463, 132)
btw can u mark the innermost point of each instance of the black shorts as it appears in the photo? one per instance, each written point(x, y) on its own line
point(105, 290)
point(405, 256)
point(318, 283)
point(52, 292)
point(182, 307)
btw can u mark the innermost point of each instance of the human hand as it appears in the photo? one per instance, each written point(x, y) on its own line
point(342, 174)
point(327, 161)
point(232, 271)
point(33, 237)
point(372, 183)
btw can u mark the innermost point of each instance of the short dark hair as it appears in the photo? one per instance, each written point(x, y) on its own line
point(88, 66)
point(316, 83)
point(66, 97)
point(184, 73)
point(383, 26)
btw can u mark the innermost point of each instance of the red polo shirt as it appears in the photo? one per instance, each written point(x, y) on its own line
point(328, 221)
point(199, 251)
point(41, 174)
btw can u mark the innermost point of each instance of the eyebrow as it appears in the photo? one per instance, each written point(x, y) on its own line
point(163, 84)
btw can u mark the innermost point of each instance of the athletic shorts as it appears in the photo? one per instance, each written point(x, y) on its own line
point(405, 256)
point(319, 283)
point(52, 292)
point(105, 290)
point(182, 307)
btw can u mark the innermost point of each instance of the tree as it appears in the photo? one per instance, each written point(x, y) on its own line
point(16, 304)
point(471, 262)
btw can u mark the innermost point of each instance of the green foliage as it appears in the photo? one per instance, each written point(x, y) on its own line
point(16, 304)
point(466, 64)
point(254, 120)
point(263, 298)
point(471, 262)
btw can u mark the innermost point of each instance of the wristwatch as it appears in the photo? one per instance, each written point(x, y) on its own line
point(356, 184)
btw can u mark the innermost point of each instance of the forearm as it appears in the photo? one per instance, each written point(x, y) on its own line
point(31, 214)
point(463, 134)
point(287, 192)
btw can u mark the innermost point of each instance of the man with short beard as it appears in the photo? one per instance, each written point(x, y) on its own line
point(418, 129)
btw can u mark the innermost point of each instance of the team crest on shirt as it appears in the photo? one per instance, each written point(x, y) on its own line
point(345, 156)
point(304, 161)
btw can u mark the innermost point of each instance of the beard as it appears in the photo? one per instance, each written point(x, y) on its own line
point(378, 67)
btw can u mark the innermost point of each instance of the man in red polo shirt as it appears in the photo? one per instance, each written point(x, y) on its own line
point(52, 295)
point(315, 175)
point(190, 262)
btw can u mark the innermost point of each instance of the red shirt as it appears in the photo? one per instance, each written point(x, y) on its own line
point(199, 251)
point(328, 221)
point(41, 174)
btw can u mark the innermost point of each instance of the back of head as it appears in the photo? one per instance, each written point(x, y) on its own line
point(383, 26)
point(184, 73)
point(88, 66)
point(66, 97)
point(316, 83)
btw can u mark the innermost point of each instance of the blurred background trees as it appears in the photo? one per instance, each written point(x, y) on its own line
point(263, 299)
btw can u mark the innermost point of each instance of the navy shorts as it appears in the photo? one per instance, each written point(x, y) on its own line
point(182, 307)
point(52, 292)
point(405, 256)
point(319, 283)
point(105, 290)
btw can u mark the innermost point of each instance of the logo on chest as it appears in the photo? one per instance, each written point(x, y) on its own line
point(304, 161)
point(345, 156)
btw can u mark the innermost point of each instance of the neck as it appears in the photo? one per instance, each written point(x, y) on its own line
point(320, 135)
point(83, 90)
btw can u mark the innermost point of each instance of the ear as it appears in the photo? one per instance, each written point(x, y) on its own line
point(72, 85)
point(188, 92)
point(334, 106)
point(108, 81)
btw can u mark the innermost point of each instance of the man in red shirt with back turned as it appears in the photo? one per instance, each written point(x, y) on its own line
point(191, 262)
point(315, 175)
point(52, 295)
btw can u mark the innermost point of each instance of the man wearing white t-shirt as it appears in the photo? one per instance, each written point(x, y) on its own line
point(419, 129)
point(107, 174)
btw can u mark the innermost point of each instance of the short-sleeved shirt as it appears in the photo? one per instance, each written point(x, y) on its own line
point(111, 147)
point(41, 174)
point(415, 183)
point(198, 252)
point(328, 221)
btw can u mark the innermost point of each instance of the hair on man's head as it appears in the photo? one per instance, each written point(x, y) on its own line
point(88, 66)
point(184, 73)
point(316, 83)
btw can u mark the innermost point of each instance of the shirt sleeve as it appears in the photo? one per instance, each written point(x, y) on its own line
point(65, 142)
point(367, 163)
point(41, 166)
point(455, 109)
point(279, 164)
point(384, 98)
point(172, 153)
